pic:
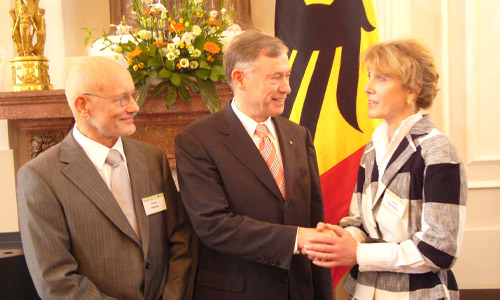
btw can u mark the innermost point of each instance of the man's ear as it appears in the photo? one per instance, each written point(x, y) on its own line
point(238, 79)
point(82, 106)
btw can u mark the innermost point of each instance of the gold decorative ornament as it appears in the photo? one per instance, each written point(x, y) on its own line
point(410, 103)
point(30, 67)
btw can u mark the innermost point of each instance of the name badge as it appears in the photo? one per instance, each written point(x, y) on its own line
point(394, 203)
point(154, 204)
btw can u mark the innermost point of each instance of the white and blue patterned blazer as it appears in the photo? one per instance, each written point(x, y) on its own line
point(427, 179)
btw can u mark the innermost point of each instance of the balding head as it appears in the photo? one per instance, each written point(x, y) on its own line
point(94, 89)
point(96, 75)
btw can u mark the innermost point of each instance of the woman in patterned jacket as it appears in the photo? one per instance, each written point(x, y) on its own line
point(407, 214)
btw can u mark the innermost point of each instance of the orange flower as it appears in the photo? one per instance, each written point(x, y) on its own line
point(176, 27)
point(160, 43)
point(213, 23)
point(211, 47)
point(134, 53)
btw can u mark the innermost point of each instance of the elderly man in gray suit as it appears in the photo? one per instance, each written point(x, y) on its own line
point(87, 232)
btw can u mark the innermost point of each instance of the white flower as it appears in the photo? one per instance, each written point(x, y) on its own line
point(191, 49)
point(194, 64)
point(171, 56)
point(213, 14)
point(171, 47)
point(158, 6)
point(148, 2)
point(164, 51)
point(122, 29)
point(162, 23)
point(116, 48)
point(196, 53)
point(197, 2)
point(196, 29)
point(184, 62)
point(188, 38)
point(223, 10)
point(177, 52)
point(145, 34)
point(176, 40)
point(227, 35)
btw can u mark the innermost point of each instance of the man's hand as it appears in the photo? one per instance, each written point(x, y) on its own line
point(338, 248)
point(305, 235)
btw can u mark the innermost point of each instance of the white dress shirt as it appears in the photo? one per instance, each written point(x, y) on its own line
point(97, 153)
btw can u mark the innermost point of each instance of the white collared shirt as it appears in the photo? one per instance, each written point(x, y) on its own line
point(97, 153)
point(384, 148)
point(250, 124)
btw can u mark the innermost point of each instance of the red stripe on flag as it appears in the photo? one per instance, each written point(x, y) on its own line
point(337, 186)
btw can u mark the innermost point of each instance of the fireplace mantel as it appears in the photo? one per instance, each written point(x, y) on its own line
point(46, 118)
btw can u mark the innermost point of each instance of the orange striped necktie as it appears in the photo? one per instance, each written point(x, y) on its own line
point(270, 155)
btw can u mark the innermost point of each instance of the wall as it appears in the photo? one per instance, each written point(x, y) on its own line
point(463, 35)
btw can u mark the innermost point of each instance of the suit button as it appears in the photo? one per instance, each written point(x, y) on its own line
point(147, 266)
point(284, 279)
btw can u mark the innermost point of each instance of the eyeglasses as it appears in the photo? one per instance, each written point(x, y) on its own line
point(122, 100)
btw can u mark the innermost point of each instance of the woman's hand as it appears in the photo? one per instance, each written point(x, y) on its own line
point(332, 250)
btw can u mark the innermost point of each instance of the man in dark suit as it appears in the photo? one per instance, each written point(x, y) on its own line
point(251, 211)
point(80, 239)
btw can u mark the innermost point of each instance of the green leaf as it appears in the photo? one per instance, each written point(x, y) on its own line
point(202, 73)
point(204, 65)
point(183, 92)
point(191, 84)
point(164, 73)
point(152, 50)
point(153, 62)
point(170, 64)
point(143, 87)
point(199, 42)
point(175, 79)
point(218, 70)
point(159, 89)
point(170, 96)
point(209, 94)
point(214, 77)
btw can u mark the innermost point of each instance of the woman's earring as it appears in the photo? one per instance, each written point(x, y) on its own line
point(410, 103)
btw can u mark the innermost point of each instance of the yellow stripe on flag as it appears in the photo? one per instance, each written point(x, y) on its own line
point(302, 92)
point(335, 139)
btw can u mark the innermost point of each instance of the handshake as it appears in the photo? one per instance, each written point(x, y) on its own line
point(327, 245)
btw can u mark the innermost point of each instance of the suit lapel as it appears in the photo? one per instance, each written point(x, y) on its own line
point(138, 171)
point(83, 174)
point(240, 144)
point(404, 151)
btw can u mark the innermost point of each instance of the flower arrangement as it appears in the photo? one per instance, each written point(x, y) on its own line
point(178, 51)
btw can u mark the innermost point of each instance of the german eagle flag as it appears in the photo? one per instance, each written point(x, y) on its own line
point(325, 38)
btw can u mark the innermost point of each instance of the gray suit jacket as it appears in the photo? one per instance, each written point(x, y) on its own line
point(247, 230)
point(78, 243)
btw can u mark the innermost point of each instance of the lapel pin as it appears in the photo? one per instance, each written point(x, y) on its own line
point(291, 142)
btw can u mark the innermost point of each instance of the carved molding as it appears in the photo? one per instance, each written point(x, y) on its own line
point(42, 141)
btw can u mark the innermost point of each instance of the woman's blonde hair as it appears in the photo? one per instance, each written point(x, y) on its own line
point(409, 60)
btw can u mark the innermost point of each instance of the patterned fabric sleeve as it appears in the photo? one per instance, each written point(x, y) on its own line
point(352, 223)
point(444, 198)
